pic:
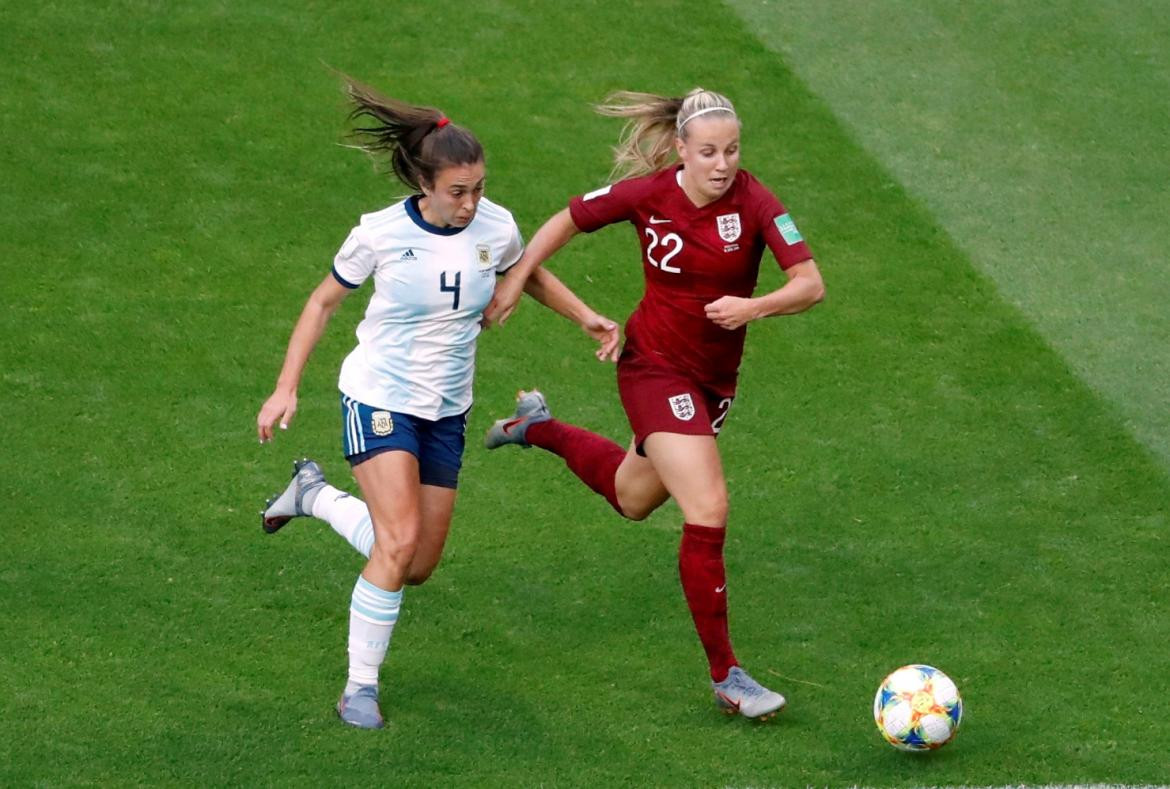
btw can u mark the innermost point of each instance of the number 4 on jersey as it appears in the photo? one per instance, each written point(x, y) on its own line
point(453, 288)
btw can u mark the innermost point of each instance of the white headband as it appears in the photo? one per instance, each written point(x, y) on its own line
point(703, 112)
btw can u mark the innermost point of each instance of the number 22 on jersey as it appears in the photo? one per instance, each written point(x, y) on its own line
point(671, 244)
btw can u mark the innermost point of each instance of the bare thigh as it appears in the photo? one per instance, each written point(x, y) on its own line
point(639, 488)
point(437, 504)
point(689, 468)
point(390, 487)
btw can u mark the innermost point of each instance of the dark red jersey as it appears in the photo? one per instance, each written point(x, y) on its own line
point(692, 256)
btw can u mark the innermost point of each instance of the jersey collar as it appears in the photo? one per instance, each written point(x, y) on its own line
point(730, 197)
point(416, 215)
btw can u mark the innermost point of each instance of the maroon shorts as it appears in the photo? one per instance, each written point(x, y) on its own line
point(660, 400)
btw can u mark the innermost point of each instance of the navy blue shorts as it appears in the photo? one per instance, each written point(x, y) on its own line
point(438, 445)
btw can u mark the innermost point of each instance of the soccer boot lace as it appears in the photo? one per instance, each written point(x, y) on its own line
point(296, 499)
point(740, 693)
point(360, 708)
point(530, 409)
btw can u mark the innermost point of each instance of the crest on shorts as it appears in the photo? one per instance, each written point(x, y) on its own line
point(682, 406)
point(729, 228)
point(382, 423)
point(484, 254)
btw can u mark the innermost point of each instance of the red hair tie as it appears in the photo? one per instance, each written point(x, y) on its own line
point(443, 121)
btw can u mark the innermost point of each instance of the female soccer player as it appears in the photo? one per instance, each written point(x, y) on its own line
point(406, 387)
point(702, 224)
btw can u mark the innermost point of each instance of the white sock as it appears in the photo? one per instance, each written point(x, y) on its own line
point(372, 614)
point(348, 515)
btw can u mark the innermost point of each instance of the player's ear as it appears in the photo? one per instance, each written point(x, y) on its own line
point(680, 146)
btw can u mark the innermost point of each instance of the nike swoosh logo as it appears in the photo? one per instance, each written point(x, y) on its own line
point(726, 700)
point(656, 221)
point(509, 425)
point(720, 589)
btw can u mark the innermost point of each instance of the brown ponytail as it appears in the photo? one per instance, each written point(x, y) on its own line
point(419, 141)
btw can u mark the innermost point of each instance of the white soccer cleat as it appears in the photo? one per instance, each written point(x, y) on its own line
point(530, 409)
point(360, 709)
point(740, 693)
point(296, 499)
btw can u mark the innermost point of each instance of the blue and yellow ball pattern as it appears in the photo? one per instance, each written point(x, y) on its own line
point(918, 708)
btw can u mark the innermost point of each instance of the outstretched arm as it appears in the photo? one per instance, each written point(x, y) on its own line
point(544, 286)
point(553, 235)
point(282, 403)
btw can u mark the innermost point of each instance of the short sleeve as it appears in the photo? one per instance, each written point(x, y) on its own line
point(779, 230)
point(604, 206)
point(512, 252)
point(355, 261)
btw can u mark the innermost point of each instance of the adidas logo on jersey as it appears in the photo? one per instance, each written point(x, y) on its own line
point(409, 255)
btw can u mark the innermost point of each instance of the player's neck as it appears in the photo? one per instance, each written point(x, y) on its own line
point(697, 198)
point(429, 215)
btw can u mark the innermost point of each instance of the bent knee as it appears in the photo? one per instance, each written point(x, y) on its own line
point(417, 576)
point(639, 511)
point(393, 552)
point(637, 505)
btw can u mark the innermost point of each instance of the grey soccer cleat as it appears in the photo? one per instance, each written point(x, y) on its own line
point(297, 498)
point(360, 708)
point(740, 693)
point(530, 409)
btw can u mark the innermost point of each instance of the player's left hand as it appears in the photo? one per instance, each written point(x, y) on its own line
point(731, 312)
point(607, 334)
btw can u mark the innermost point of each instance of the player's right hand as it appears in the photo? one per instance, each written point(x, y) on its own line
point(280, 407)
point(503, 303)
point(608, 336)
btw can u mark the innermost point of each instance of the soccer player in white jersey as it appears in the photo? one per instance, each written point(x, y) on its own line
point(407, 386)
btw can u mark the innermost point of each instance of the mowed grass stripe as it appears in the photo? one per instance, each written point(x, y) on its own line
point(914, 475)
point(1036, 135)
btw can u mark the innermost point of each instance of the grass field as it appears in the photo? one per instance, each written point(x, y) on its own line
point(923, 469)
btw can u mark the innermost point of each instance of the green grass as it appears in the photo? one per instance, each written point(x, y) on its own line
point(1035, 134)
point(915, 474)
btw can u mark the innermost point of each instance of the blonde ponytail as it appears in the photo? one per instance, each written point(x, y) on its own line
point(646, 144)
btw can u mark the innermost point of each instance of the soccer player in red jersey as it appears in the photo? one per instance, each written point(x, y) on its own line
point(702, 224)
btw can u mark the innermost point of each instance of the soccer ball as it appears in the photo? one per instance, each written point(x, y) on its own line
point(918, 708)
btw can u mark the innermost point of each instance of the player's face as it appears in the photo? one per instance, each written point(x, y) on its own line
point(452, 199)
point(710, 155)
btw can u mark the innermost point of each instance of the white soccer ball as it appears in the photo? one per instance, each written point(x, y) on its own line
point(918, 708)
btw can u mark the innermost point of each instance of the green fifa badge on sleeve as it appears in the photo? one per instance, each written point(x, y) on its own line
point(788, 229)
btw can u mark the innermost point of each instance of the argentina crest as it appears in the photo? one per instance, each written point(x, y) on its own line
point(728, 225)
point(483, 254)
point(682, 406)
point(382, 423)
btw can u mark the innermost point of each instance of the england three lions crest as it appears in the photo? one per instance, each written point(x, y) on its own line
point(729, 228)
point(682, 406)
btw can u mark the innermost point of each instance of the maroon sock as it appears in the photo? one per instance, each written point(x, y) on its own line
point(704, 582)
point(591, 457)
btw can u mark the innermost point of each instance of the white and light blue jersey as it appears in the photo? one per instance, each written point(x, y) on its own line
point(416, 344)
